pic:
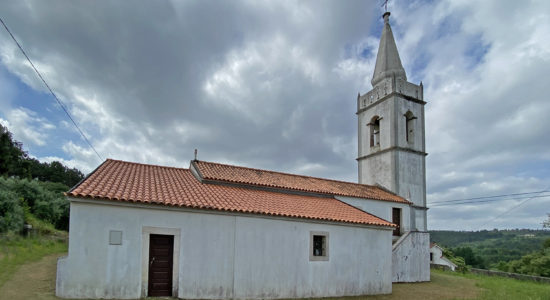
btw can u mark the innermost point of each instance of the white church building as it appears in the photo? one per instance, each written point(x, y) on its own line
point(217, 231)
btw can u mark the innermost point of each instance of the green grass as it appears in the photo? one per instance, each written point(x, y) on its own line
point(36, 277)
point(16, 251)
point(494, 287)
point(40, 226)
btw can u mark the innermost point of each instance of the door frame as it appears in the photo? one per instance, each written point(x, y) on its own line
point(400, 216)
point(145, 239)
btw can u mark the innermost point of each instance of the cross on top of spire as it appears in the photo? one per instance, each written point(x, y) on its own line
point(385, 4)
point(388, 63)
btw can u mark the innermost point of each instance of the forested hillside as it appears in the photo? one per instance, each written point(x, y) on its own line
point(14, 161)
point(32, 191)
point(520, 250)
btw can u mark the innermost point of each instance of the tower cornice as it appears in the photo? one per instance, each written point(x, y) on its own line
point(393, 148)
point(361, 108)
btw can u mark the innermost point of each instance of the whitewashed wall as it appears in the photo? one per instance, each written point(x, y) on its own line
point(220, 256)
point(381, 209)
point(411, 258)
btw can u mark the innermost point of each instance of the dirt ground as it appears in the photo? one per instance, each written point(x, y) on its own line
point(37, 281)
point(32, 281)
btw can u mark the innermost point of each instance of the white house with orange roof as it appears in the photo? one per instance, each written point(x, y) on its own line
point(216, 231)
point(437, 257)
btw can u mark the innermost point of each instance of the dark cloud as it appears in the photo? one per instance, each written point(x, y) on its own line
point(273, 85)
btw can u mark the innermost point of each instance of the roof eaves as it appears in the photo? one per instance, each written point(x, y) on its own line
point(244, 211)
point(86, 177)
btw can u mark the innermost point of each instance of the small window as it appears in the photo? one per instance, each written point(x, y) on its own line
point(431, 257)
point(375, 131)
point(318, 249)
point(409, 126)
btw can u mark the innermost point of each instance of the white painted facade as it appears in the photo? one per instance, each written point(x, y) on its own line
point(381, 209)
point(245, 256)
point(396, 164)
point(392, 154)
point(437, 258)
point(219, 255)
point(411, 257)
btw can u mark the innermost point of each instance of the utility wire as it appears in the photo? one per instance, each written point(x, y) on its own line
point(439, 204)
point(53, 94)
point(488, 197)
point(512, 208)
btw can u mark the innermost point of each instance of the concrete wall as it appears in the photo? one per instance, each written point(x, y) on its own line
point(411, 258)
point(511, 275)
point(219, 256)
point(381, 209)
point(402, 168)
point(376, 170)
point(397, 164)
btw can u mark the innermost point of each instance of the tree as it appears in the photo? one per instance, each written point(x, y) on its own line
point(546, 224)
point(536, 263)
point(11, 212)
point(14, 161)
point(41, 200)
point(457, 260)
point(12, 155)
point(470, 257)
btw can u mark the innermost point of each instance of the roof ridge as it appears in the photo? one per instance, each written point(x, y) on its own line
point(131, 182)
point(299, 175)
point(145, 164)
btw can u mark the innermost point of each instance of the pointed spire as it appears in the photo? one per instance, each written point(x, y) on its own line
point(388, 63)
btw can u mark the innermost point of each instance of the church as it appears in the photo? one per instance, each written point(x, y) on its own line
point(218, 231)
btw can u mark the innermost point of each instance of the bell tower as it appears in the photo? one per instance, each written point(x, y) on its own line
point(392, 150)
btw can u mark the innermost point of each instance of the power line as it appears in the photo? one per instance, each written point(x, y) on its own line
point(488, 197)
point(512, 208)
point(439, 204)
point(53, 94)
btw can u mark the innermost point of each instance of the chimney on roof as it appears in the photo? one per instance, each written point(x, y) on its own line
point(196, 154)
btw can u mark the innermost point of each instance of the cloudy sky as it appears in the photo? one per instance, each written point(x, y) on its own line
point(273, 84)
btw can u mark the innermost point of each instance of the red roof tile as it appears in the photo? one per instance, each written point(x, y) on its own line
point(133, 182)
point(243, 175)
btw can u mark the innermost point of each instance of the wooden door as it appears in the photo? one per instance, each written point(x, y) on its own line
point(396, 219)
point(161, 250)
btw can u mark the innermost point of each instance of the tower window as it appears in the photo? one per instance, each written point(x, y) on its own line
point(409, 126)
point(375, 131)
point(396, 219)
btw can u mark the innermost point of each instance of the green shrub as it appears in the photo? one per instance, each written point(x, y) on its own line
point(48, 205)
point(12, 215)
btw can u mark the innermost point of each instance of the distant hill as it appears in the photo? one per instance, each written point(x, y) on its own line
point(493, 246)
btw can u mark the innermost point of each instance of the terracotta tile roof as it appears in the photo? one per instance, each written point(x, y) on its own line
point(243, 175)
point(133, 182)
